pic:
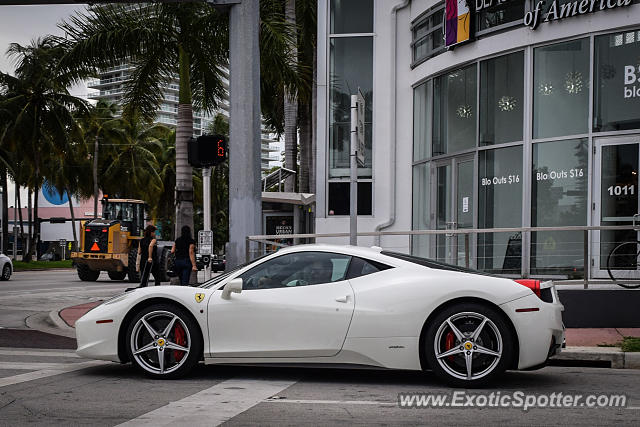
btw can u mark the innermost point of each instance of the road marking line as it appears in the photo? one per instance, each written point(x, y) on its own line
point(36, 375)
point(33, 366)
point(16, 352)
point(214, 405)
point(333, 402)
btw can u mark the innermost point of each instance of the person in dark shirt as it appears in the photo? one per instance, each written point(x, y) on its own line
point(185, 252)
point(148, 254)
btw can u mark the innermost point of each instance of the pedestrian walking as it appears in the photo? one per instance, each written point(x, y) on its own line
point(184, 249)
point(147, 260)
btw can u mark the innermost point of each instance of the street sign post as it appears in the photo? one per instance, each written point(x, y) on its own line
point(360, 128)
point(205, 242)
point(63, 245)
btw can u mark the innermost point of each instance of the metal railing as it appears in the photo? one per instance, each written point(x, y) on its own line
point(469, 246)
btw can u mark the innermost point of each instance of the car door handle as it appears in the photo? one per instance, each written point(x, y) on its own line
point(343, 299)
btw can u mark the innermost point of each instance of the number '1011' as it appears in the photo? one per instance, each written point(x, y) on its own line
point(620, 189)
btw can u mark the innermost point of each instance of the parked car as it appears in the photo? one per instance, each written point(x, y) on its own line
point(218, 263)
point(327, 304)
point(6, 267)
point(50, 256)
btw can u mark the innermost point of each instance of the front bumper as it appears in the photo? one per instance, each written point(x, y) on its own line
point(96, 339)
point(540, 333)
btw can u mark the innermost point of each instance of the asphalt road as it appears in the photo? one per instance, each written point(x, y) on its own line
point(51, 386)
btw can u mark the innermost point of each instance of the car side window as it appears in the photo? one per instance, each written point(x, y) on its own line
point(297, 269)
point(361, 267)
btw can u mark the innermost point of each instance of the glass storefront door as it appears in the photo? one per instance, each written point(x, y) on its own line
point(615, 196)
point(453, 186)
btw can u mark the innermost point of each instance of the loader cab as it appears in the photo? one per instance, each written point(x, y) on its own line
point(128, 212)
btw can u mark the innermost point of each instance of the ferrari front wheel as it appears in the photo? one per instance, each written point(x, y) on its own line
point(468, 345)
point(163, 341)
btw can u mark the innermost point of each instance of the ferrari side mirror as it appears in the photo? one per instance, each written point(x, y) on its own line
point(234, 285)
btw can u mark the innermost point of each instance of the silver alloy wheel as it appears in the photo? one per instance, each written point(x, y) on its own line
point(477, 346)
point(151, 337)
point(6, 272)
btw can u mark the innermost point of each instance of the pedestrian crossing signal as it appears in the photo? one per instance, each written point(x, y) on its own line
point(207, 150)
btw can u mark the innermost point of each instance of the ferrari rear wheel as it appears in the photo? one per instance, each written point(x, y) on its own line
point(163, 341)
point(468, 345)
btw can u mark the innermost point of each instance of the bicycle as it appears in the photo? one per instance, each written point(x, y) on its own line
point(624, 259)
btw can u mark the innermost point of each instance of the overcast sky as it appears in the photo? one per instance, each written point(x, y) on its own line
point(21, 24)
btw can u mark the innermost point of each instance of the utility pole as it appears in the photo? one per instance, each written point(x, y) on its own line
point(245, 203)
point(206, 196)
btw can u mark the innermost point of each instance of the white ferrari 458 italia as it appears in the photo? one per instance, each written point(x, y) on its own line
point(333, 305)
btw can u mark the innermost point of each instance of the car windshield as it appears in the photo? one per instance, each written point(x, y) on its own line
point(220, 278)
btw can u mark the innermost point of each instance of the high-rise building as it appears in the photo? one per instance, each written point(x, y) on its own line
point(109, 87)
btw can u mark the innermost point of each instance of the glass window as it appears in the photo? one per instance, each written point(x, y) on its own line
point(617, 76)
point(428, 35)
point(499, 14)
point(296, 269)
point(501, 99)
point(351, 16)
point(421, 212)
point(561, 89)
point(351, 68)
point(339, 196)
point(558, 198)
point(422, 116)
point(454, 111)
point(362, 267)
point(500, 205)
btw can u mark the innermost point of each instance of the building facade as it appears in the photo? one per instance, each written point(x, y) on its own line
point(486, 115)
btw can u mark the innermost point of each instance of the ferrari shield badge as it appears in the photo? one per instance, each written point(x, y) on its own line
point(199, 297)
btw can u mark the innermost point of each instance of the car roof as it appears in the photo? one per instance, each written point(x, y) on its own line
point(361, 251)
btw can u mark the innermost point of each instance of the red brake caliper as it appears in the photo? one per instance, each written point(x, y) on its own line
point(449, 342)
point(179, 338)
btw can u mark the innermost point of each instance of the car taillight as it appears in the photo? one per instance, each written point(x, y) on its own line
point(532, 284)
point(104, 230)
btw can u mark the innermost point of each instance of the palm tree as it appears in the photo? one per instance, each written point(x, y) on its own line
point(129, 165)
point(92, 125)
point(187, 40)
point(162, 40)
point(42, 124)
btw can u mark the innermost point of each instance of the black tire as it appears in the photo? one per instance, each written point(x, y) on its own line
point(86, 274)
point(133, 275)
point(6, 272)
point(494, 336)
point(148, 361)
point(623, 258)
point(117, 275)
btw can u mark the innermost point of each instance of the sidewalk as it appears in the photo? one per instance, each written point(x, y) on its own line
point(585, 346)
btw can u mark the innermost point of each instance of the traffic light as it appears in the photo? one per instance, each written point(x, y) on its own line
point(207, 150)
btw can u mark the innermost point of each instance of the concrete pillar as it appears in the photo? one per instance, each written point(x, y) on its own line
point(245, 207)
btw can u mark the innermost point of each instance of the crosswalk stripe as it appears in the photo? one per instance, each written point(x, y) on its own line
point(44, 373)
point(39, 353)
point(215, 405)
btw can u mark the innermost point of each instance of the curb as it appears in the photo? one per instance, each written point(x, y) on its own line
point(47, 323)
point(598, 356)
